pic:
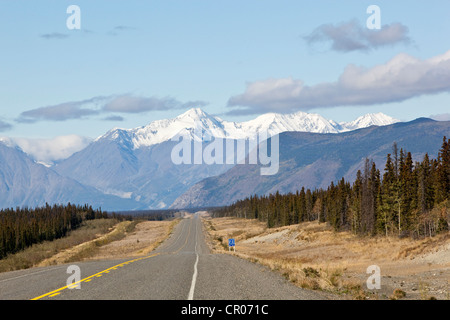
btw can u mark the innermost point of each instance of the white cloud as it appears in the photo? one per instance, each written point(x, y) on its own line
point(113, 118)
point(50, 150)
point(61, 112)
point(4, 126)
point(401, 78)
point(124, 103)
point(351, 36)
point(133, 104)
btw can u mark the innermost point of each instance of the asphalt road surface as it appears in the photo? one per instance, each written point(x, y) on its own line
point(182, 268)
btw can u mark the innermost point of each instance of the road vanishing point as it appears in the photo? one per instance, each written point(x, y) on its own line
point(181, 268)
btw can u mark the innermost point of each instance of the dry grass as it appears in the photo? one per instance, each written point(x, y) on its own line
point(398, 294)
point(144, 238)
point(90, 248)
point(36, 254)
point(239, 229)
point(96, 239)
point(126, 239)
point(313, 256)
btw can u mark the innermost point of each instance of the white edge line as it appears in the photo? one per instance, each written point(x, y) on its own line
point(194, 276)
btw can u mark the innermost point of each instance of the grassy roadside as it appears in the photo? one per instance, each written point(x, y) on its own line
point(313, 256)
point(127, 239)
point(159, 240)
point(96, 239)
point(328, 280)
point(38, 253)
point(89, 249)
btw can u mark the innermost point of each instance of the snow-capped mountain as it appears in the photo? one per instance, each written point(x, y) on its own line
point(132, 168)
point(313, 160)
point(370, 119)
point(275, 123)
point(272, 123)
point(163, 130)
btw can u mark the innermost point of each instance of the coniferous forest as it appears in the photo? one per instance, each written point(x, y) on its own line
point(405, 199)
point(22, 227)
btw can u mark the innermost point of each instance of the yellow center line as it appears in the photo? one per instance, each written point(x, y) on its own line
point(98, 274)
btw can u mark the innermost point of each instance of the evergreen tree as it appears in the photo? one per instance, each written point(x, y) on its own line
point(409, 199)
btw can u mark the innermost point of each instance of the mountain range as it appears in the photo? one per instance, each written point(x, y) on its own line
point(23, 182)
point(273, 123)
point(127, 169)
point(313, 160)
point(135, 163)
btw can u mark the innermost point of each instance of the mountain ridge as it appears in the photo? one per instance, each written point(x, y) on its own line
point(23, 182)
point(132, 168)
point(273, 123)
point(136, 163)
point(313, 160)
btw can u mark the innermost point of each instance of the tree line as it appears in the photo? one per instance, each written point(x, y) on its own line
point(408, 199)
point(23, 227)
point(150, 215)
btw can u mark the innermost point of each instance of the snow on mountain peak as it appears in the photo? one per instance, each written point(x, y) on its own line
point(189, 122)
point(194, 113)
point(370, 119)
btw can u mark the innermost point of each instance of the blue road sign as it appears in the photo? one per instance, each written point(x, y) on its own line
point(231, 243)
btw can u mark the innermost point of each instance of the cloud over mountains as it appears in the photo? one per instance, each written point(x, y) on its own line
point(401, 78)
point(351, 36)
point(125, 103)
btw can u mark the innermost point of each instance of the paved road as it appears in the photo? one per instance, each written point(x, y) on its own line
point(181, 268)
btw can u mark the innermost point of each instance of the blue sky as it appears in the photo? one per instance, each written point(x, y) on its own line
point(133, 62)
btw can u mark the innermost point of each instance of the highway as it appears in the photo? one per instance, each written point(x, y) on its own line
point(182, 268)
